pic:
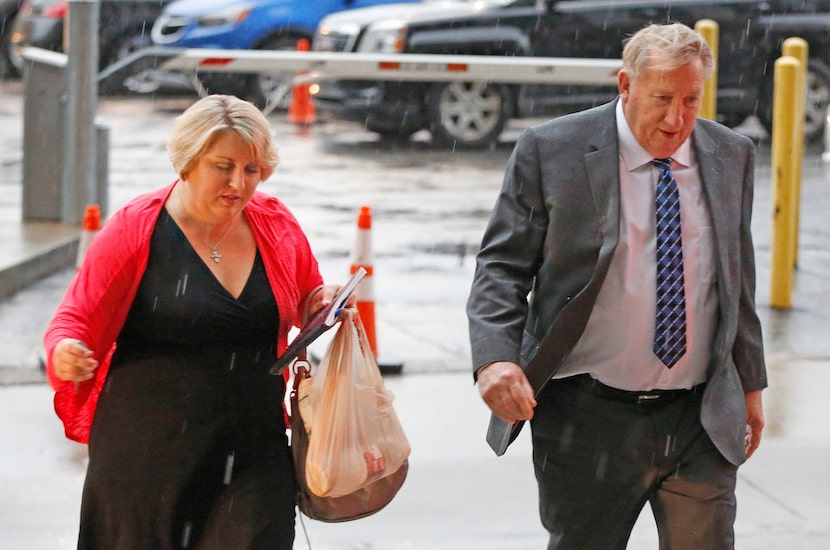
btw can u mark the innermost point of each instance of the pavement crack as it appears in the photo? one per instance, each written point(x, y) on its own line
point(780, 503)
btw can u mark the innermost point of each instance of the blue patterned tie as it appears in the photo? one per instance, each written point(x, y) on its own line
point(670, 325)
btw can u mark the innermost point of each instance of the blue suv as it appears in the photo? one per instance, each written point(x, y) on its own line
point(245, 24)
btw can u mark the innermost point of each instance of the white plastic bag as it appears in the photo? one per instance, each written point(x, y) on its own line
point(354, 435)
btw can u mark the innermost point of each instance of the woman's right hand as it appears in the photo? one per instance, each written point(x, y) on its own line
point(73, 361)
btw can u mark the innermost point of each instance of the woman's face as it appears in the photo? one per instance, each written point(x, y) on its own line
point(223, 180)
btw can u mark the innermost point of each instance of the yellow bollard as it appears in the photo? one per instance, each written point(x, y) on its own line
point(798, 48)
point(783, 128)
point(709, 105)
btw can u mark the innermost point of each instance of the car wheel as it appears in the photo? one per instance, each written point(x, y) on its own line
point(11, 64)
point(816, 102)
point(10, 58)
point(467, 114)
point(133, 80)
point(260, 87)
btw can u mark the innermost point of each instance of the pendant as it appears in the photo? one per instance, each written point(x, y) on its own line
point(215, 256)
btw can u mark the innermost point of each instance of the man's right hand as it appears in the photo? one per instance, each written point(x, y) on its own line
point(505, 389)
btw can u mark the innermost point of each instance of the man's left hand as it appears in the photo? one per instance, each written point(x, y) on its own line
point(754, 421)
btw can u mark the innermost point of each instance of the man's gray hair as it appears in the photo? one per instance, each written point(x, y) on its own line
point(668, 46)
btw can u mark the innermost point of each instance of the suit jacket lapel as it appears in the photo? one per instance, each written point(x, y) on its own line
point(713, 176)
point(602, 166)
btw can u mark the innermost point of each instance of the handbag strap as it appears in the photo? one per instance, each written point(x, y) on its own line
point(301, 369)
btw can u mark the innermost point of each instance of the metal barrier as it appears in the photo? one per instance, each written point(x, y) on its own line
point(317, 66)
point(45, 127)
point(44, 114)
point(429, 67)
point(138, 71)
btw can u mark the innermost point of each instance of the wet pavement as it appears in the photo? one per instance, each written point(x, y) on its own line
point(429, 210)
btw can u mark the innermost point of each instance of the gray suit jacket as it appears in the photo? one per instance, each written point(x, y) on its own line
point(549, 243)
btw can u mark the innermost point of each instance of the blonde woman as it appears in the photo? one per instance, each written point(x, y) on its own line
point(160, 351)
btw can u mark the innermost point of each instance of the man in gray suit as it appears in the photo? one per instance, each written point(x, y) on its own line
point(621, 325)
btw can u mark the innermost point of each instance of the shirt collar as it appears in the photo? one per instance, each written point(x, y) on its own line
point(633, 154)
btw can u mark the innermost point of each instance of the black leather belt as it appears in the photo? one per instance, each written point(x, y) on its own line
point(642, 398)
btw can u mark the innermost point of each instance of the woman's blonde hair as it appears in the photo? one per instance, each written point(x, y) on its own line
point(197, 129)
point(665, 47)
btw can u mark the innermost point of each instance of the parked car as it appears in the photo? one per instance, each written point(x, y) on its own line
point(245, 24)
point(8, 12)
point(466, 114)
point(123, 28)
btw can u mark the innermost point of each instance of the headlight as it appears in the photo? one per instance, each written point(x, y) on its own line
point(338, 38)
point(228, 16)
point(384, 37)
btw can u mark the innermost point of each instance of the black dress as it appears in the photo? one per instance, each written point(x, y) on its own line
point(188, 446)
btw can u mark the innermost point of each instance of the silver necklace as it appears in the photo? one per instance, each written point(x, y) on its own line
point(215, 255)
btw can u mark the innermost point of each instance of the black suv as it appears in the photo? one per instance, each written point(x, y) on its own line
point(474, 114)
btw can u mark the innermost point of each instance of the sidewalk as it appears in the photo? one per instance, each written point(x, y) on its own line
point(459, 496)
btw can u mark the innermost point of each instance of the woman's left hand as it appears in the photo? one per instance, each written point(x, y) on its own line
point(325, 295)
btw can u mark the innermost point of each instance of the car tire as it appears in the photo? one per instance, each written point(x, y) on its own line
point(11, 66)
point(259, 87)
point(11, 62)
point(468, 114)
point(815, 106)
point(817, 101)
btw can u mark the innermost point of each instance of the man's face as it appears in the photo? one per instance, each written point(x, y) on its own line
point(661, 107)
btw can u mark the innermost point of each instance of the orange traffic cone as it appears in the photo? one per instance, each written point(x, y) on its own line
point(89, 227)
point(301, 111)
point(362, 257)
point(365, 293)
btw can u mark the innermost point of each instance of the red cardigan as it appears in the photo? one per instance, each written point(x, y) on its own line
point(99, 297)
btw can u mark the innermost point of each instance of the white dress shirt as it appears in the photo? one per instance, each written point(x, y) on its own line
point(616, 347)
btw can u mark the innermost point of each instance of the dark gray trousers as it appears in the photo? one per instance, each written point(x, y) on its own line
point(599, 459)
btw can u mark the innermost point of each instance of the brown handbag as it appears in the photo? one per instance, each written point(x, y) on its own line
point(364, 502)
